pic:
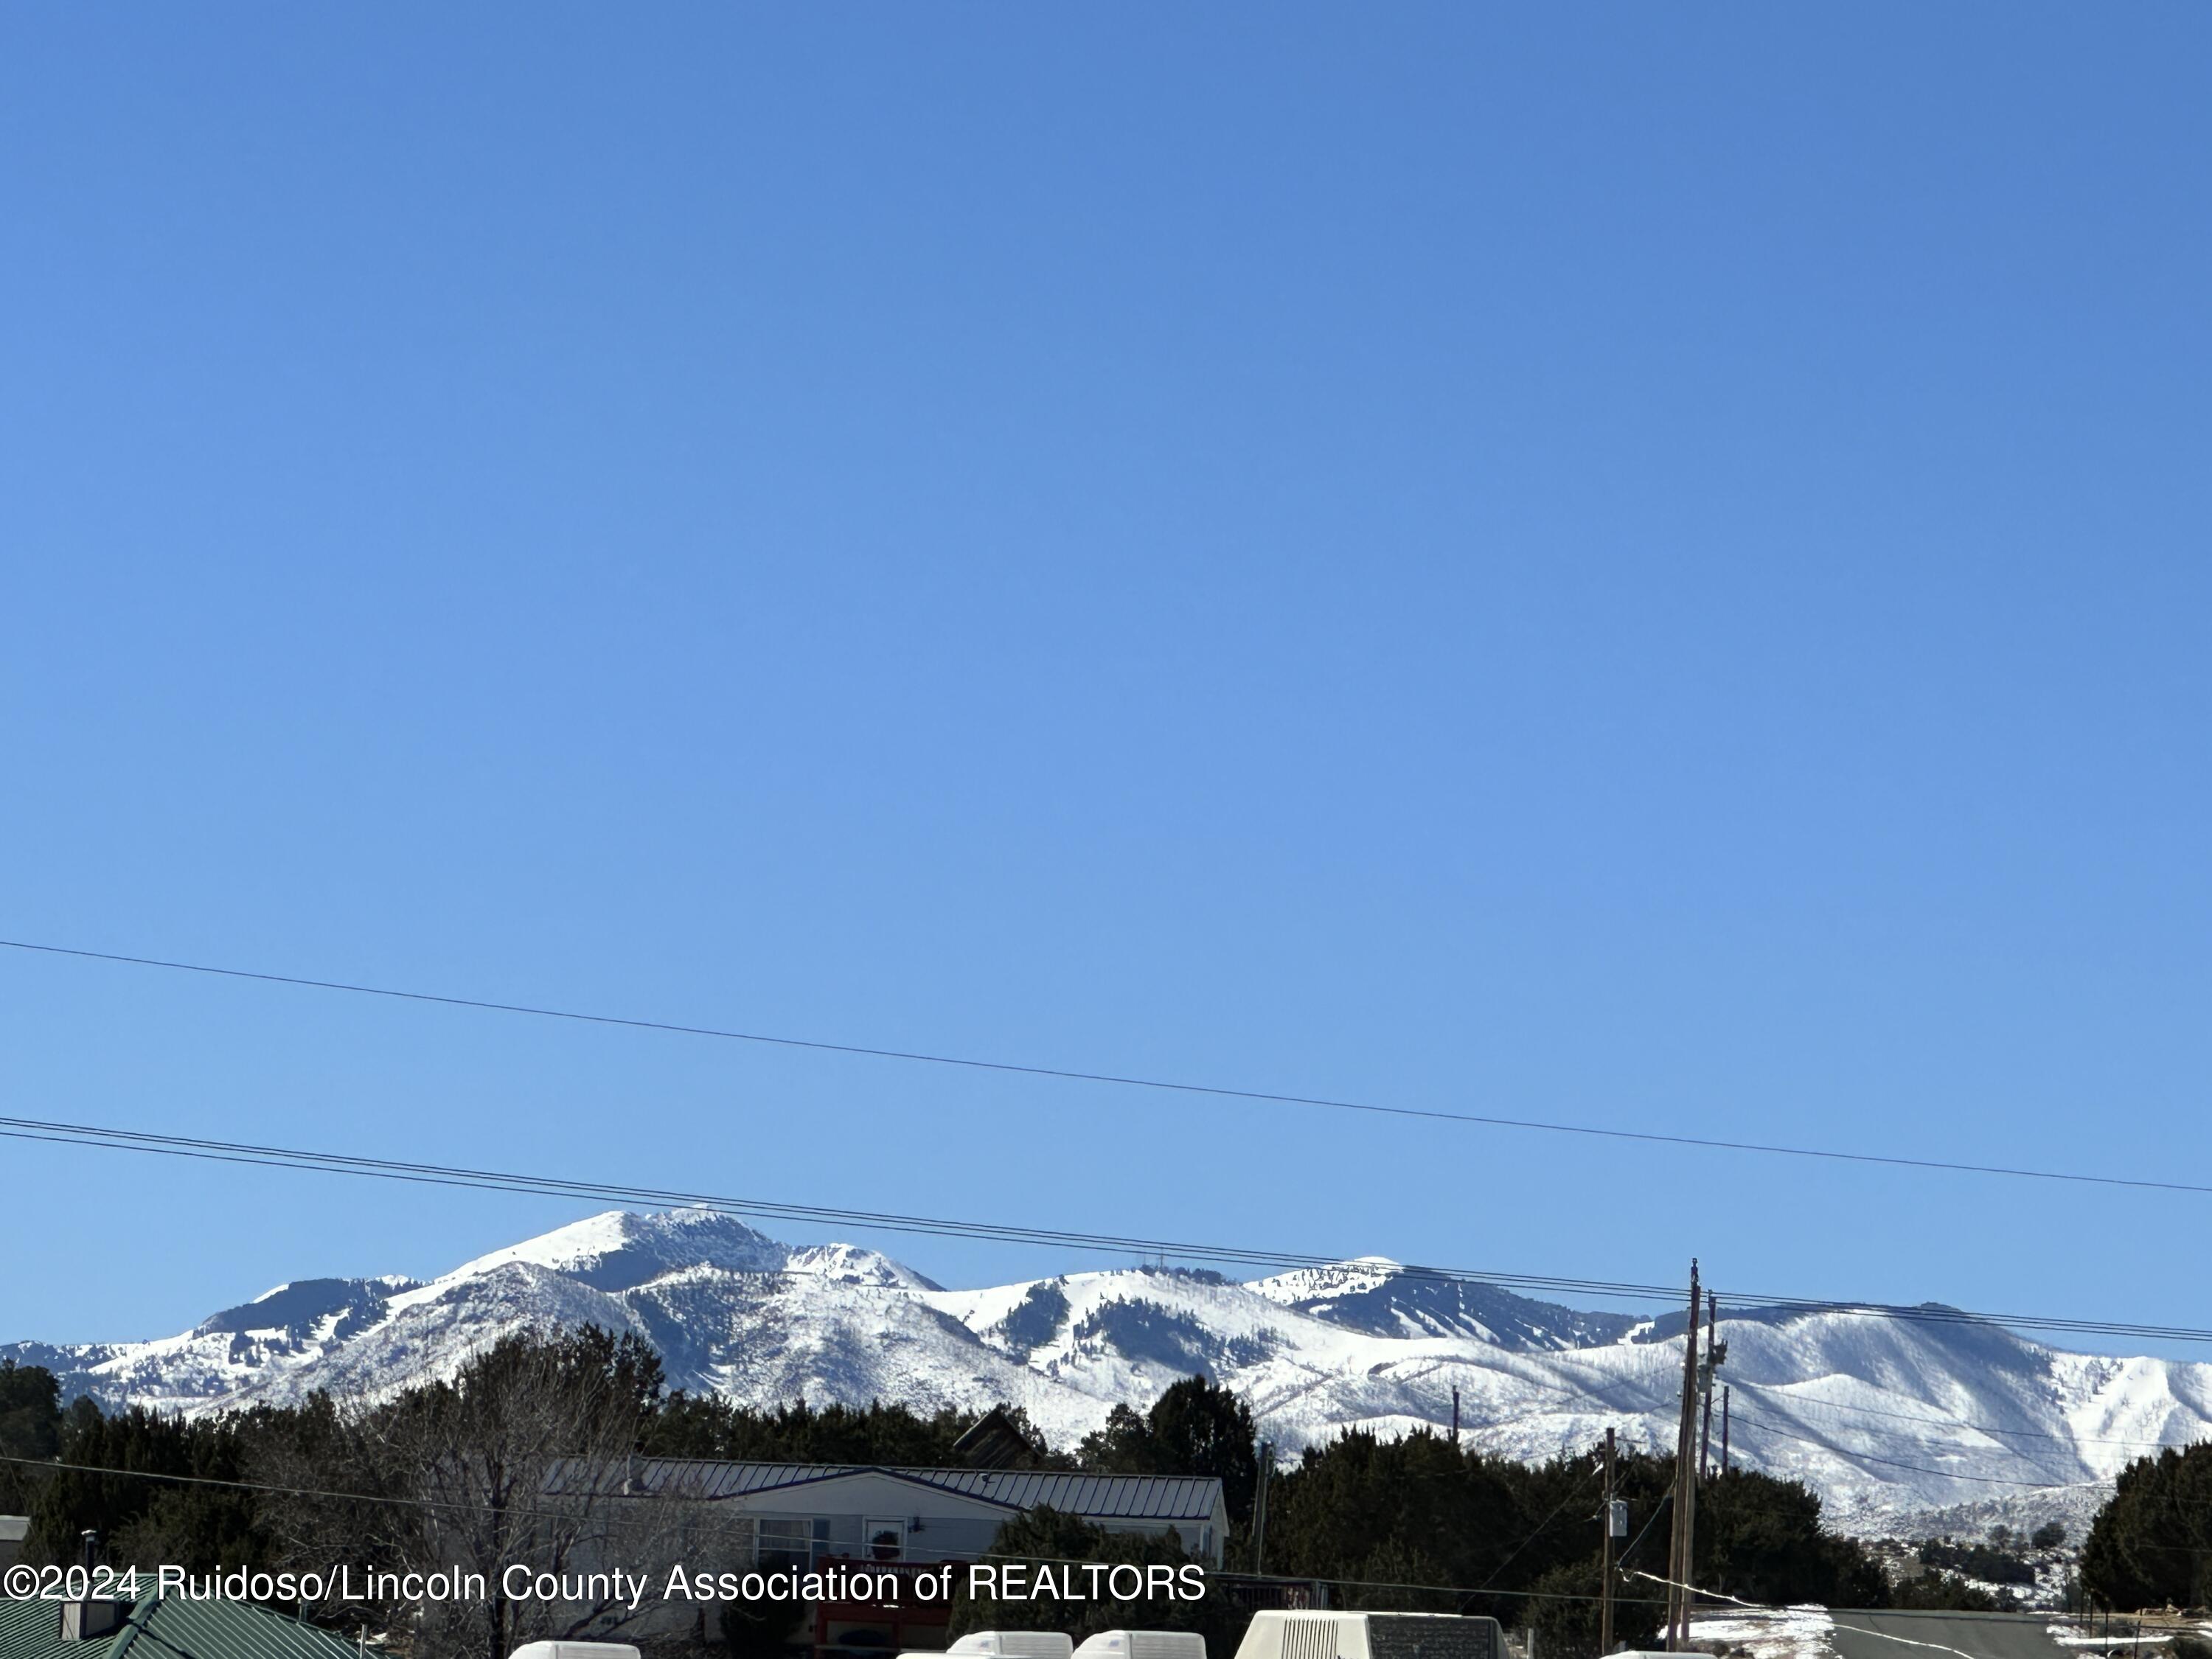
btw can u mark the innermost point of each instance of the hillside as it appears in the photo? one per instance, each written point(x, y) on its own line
point(1891, 1421)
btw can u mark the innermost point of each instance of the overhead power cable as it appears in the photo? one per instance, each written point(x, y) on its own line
point(1574, 1491)
point(1893, 1438)
point(226, 1151)
point(511, 1512)
point(1756, 1608)
point(1798, 1403)
point(270, 1490)
point(1072, 1074)
point(404, 1500)
point(658, 1198)
point(1915, 1469)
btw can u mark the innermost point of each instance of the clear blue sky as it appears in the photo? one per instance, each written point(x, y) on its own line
point(1645, 566)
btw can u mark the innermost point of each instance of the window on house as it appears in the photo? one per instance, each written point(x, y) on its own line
point(885, 1537)
point(790, 1541)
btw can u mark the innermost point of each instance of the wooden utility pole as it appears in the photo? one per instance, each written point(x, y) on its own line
point(1605, 1578)
point(1681, 1546)
point(1706, 1380)
point(1724, 1418)
point(1260, 1509)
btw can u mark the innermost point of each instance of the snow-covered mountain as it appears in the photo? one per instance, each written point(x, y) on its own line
point(1377, 1294)
point(1891, 1421)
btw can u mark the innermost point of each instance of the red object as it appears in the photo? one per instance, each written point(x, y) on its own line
point(910, 1624)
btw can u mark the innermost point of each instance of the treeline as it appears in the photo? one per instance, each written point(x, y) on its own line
point(498, 1466)
point(1420, 1524)
point(1991, 1563)
point(1376, 1516)
point(893, 1436)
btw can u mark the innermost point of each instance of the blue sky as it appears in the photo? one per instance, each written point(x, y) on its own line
point(1638, 566)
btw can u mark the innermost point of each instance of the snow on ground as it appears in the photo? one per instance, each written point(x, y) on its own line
point(1806, 1633)
point(2073, 1636)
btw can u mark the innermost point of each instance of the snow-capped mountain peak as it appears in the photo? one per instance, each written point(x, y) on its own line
point(1886, 1417)
point(621, 1250)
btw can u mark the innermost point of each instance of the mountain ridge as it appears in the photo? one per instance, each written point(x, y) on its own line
point(1885, 1419)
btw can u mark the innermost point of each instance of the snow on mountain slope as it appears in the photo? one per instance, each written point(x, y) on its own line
point(621, 1251)
point(431, 1332)
point(1377, 1294)
point(1890, 1419)
point(772, 1339)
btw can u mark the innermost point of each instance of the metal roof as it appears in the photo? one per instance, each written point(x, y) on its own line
point(31, 1629)
point(1092, 1497)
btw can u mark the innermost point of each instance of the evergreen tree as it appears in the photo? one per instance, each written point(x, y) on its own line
point(890, 1435)
point(1397, 1577)
point(142, 1520)
point(1195, 1427)
point(1348, 1500)
point(1947, 1592)
point(1761, 1539)
point(30, 1428)
point(30, 1411)
point(2152, 1542)
point(1562, 1609)
point(1496, 1530)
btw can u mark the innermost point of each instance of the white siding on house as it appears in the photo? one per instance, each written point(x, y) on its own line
point(948, 1514)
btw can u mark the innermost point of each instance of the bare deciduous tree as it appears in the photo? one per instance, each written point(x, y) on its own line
point(523, 1461)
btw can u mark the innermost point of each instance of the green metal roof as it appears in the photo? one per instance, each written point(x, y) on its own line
point(31, 1630)
point(168, 1627)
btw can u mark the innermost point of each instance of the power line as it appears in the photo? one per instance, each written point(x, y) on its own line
point(1753, 1606)
point(401, 1500)
point(678, 1494)
point(270, 1489)
point(111, 1139)
point(1919, 1469)
point(1797, 1401)
point(439, 1175)
point(1574, 1491)
point(1071, 1074)
point(385, 1169)
point(2095, 1483)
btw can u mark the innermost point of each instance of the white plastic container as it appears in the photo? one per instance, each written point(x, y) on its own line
point(1014, 1645)
point(1143, 1644)
point(574, 1650)
point(1279, 1635)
